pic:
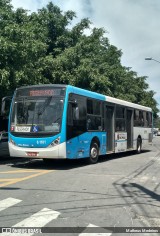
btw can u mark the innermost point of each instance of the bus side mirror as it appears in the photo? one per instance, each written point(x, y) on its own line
point(4, 137)
point(3, 108)
point(6, 101)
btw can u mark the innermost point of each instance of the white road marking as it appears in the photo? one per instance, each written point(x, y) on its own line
point(94, 234)
point(39, 219)
point(8, 202)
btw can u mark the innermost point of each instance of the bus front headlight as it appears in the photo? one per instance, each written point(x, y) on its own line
point(55, 142)
point(12, 142)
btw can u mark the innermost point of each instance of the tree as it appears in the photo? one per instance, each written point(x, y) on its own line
point(41, 48)
point(157, 122)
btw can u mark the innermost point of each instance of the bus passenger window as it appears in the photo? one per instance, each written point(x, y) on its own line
point(120, 125)
point(70, 115)
point(150, 119)
point(120, 118)
point(141, 120)
point(145, 119)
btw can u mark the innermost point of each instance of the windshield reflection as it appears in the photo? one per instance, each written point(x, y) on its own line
point(42, 114)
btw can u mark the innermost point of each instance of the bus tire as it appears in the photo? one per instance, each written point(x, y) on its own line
point(139, 145)
point(94, 153)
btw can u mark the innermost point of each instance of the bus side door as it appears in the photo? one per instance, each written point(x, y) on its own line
point(77, 141)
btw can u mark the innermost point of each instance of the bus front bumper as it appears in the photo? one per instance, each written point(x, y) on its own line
point(56, 152)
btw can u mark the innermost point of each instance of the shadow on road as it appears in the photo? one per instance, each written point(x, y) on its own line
point(148, 192)
point(59, 164)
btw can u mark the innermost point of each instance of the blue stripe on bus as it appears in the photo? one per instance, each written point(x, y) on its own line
point(120, 141)
point(79, 147)
point(34, 142)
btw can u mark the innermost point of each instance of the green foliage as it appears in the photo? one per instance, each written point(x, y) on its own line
point(157, 122)
point(42, 47)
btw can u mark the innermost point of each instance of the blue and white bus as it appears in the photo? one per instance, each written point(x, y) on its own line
point(62, 121)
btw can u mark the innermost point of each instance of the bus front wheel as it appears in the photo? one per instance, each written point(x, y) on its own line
point(94, 153)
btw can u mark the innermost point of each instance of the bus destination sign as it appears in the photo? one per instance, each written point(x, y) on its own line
point(40, 92)
point(45, 92)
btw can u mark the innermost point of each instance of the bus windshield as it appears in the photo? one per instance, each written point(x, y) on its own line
point(37, 115)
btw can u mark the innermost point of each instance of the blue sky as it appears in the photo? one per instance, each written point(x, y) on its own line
point(132, 26)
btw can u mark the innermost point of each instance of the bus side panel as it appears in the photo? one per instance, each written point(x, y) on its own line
point(143, 133)
point(79, 147)
point(120, 142)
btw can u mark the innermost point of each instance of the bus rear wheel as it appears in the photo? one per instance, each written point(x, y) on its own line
point(139, 145)
point(94, 153)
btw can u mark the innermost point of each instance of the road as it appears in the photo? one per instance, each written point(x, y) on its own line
point(121, 190)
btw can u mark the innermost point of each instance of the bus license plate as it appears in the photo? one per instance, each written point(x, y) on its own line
point(32, 154)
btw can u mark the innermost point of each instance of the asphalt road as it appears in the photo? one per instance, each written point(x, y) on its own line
point(121, 190)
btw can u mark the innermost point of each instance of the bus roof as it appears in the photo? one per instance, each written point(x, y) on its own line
point(91, 94)
point(108, 98)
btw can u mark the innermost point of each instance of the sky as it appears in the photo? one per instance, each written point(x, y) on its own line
point(131, 25)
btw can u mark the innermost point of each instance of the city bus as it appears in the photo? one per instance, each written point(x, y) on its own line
point(66, 122)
